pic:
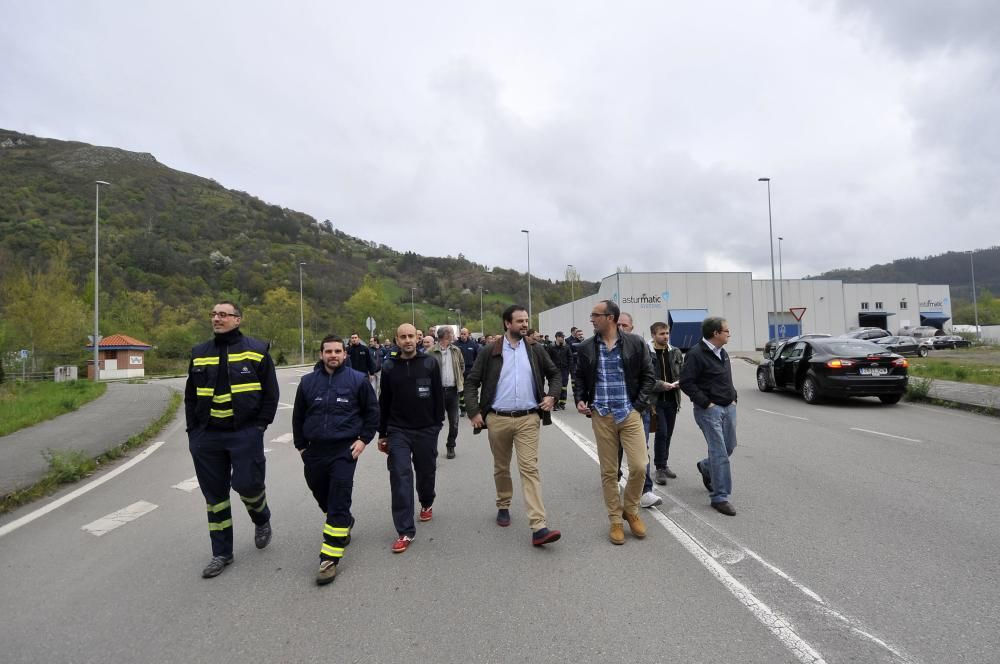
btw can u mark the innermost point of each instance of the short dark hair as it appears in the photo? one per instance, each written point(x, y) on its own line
point(331, 338)
point(711, 325)
point(560, 334)
point(657, 326)
point(508, 313)
point(611, 308)
point(236, 307)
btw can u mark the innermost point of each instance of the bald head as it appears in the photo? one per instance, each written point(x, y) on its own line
point(406, 339)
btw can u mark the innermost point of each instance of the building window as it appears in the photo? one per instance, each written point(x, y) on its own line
point(110, 355)
point(902, 304)
point(864, 306)
point(878, 306)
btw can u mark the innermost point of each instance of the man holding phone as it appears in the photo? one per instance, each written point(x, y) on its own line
point(667, 364)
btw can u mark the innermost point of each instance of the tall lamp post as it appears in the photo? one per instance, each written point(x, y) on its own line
point(528, 237)
point(781, 278)
point(572, 296)
point(97, 280)
point(770, 236)
point(975, 302)
point(302, 321)
point(482, 324)
point(413, 312)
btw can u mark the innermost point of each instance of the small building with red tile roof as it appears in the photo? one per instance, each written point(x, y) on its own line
point(120, 356)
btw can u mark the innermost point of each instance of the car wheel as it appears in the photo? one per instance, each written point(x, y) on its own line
point(810, 390)
point(762, 383)
point(890, 399)
point(922, 352)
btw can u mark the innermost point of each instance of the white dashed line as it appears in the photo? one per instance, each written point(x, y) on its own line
point(776, 624)
point(791, 417)
point(187, 485)
point(283, 438)
point(56, 504)
point(887, 435)
point(106, 524)
point(284, 406)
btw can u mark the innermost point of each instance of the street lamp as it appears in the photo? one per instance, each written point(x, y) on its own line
point(528, 237)
point(302, 319)
point(482, 324)
point(97, 281)
point(781, 278)
point(572, 296)
point(413, 312)
point(975, 303)
point(770, 236)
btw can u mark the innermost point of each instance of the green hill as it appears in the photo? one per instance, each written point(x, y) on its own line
point(173, 243)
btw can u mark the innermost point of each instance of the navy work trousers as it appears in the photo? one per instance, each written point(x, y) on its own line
point(411, 452)
point(329, 471)
point(224, 459)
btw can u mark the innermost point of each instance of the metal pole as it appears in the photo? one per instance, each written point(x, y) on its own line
point(572, 296)
point(97, 280)
point(482, 325)
point(413, 312)
point(770, 236)
point(528, 237)
point(302, 326)
point(781, 280)
point(975, 303)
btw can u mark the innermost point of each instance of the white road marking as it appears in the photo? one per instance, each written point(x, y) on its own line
point(106, 524)
point(887, 435)
point(712, 555)
point(283, 438)
point(776, 624)
point(56, 504)
point(793, 417)
point(187, 485)
point(284, 406)
point(267, 450)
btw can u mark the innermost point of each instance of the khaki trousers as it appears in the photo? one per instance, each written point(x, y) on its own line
point(520, 434)
point(631, 436)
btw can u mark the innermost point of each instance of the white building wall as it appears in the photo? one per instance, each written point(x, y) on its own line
point(935, 298)
point(823, 301)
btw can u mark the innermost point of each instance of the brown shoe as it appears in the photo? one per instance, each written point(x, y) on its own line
point(635, 524)
point(616, 534)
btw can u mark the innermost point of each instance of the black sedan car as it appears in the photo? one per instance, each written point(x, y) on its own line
point(835, 367)
point(904, 345)
point(948, 341)
point(773, 343)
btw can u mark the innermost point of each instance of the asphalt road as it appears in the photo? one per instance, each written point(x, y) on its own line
point(865, 533)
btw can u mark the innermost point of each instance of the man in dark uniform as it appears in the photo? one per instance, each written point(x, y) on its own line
point(229, 400)
point(334, 418)
point(560, 353)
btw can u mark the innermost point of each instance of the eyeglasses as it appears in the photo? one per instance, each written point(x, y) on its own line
point(222, 314)
point(593, 316)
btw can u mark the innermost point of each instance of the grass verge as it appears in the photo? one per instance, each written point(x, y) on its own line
point(69, 466)
point(25, 404)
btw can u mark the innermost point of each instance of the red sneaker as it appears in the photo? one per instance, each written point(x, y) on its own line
point(401, 544)
point(426, 513)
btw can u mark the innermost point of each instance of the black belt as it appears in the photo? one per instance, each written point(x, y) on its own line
point(513, 413)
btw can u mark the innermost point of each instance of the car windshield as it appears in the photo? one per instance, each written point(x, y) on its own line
point(853, 348)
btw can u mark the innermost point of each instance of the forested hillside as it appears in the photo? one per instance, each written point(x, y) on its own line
point(173, 243)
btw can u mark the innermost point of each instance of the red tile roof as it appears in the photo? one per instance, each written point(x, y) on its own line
point(122, 340)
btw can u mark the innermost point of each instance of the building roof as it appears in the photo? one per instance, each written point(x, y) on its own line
point(121, 342)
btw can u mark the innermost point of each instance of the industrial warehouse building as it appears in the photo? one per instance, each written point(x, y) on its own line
point(684, 299)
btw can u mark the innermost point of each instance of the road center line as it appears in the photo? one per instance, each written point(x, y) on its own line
point(887, 435)
point(188, 485)
point(776, 624)
point(56, 504)
point(793, 417)
point(106, 524)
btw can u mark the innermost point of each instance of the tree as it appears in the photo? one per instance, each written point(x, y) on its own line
point(44, 310)
point(276, 320)
point(372, 300)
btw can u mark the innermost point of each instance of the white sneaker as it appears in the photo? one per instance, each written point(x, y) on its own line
point(649, 499)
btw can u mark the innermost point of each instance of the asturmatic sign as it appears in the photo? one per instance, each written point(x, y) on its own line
point(648, 301)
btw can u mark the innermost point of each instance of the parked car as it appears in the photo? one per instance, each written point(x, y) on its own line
point(770, 345)
point(904, 345)
point(835, 367)
point(866, 333)
point(949, 341)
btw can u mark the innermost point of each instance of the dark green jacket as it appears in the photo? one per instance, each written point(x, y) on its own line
point(485, 374)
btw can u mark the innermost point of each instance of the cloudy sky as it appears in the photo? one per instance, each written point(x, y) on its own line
point(620, 134)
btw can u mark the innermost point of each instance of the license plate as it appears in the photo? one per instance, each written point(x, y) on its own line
point(873, 371)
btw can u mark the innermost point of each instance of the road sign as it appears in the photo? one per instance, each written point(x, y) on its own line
point(371, 325)
point(798, 312)
point(24, 354)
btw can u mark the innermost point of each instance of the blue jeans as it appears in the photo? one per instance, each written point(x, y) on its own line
point(718, 424)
